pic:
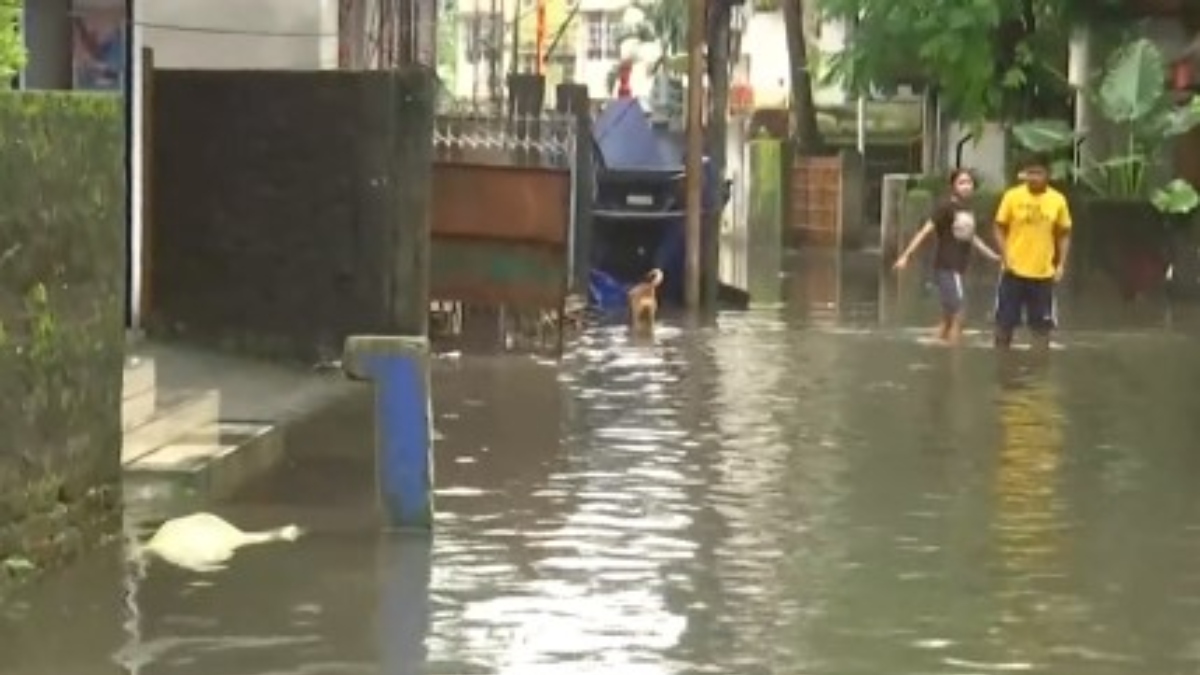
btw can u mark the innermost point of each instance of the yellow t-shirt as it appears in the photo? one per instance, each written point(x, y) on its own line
point(1031, 224)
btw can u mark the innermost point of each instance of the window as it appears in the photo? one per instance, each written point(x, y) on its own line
point(603, 35)
point(566, 66)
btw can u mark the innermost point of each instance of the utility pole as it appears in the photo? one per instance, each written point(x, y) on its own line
point(540, 65)
point(697, 15)
point(515, 47)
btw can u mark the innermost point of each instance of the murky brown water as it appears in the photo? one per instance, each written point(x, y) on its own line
point(788, 492)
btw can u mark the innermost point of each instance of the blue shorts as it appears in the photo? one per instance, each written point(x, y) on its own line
point(1020, 300)
point(950, 291)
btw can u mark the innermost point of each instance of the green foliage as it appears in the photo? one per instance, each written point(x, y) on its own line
point(665, 22)
point(766, 182)
point(1177, 198)
point(62, 271)
point(12, 44)
point(983, 56)
point(447, 50)
point(1132, 96)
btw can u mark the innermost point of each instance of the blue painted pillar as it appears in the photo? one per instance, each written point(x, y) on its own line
point(399, 368)
point(405, 570)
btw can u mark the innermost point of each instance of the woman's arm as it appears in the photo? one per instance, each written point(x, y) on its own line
point(983, 248)
point(921, 236)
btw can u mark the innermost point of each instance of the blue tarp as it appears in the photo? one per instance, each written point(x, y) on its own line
point(628, 142)
point(606, 293)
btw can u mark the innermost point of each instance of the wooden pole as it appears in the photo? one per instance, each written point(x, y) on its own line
point(695, 150)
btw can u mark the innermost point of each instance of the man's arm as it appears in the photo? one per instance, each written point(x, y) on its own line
point(1062, 239)
point(1062, 247)
point(1000, 226)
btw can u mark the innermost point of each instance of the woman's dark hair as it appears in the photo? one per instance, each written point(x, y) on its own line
point(955, 174)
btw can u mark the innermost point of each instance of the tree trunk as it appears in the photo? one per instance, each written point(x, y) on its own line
point(719, 64)
point(804, 111)
point(718, 76)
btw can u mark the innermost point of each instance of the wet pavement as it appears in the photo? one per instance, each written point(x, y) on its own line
point(811, 490)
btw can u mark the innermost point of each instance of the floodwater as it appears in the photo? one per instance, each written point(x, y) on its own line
point(811, 490)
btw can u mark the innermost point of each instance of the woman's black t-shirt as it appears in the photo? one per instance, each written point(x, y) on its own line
point(954, 230)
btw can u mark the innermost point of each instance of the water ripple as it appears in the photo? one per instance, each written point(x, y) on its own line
point(761, 496)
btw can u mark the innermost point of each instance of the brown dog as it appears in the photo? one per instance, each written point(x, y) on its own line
point(643, 302)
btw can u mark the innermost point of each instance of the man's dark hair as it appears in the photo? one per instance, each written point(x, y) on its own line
point(1035, 160)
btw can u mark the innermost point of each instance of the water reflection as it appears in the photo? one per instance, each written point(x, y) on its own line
point(405, 570)
point(792, 493)
point(1028, 523)
point(591, 592)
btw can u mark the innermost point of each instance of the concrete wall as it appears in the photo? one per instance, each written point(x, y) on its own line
point(985, 153)
point(239, 34)
point(289, 209)
point(62, 265)
point(220, 34)
point(48, 39)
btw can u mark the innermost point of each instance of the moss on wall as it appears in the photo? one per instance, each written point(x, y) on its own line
point(62, 281)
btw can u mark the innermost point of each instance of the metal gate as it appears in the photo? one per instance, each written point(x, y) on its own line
point(502, 226)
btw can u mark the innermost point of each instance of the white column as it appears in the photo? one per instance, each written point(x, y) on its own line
point(1079, 66)
point(136, 177)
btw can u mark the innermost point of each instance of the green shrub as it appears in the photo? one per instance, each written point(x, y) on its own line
point(62, 290)
point(12, 43)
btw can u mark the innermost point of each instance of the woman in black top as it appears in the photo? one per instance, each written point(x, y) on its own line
point(953, 226)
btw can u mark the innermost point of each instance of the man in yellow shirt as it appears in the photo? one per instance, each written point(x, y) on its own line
point(1033, 233)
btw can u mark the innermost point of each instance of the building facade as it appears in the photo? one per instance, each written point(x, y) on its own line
point(581, 39)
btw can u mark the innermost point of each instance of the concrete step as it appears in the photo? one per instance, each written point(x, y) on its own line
point(138, 393)
point(210, 464)
point(179, 414)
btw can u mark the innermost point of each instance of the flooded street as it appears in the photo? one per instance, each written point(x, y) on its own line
point(810, 490)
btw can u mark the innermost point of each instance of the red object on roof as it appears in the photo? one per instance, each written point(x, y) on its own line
point(624, 70)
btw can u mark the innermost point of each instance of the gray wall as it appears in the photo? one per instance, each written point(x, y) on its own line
point(48, 38)
point(239, 34)
point(287, 206)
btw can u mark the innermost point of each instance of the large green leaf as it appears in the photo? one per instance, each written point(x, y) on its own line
point(1176, 198)
point(1134, 84)
point(1181, 119)
point(1044, 135)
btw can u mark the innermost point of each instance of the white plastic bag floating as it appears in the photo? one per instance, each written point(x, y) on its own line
point(203, 542)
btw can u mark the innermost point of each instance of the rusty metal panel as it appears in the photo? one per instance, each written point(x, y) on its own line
point(496, 272)
point(816, 200)
point(510, 203)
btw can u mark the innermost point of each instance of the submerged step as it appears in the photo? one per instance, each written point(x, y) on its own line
point(176, 415)
point(212, 463)
point(138, 392)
